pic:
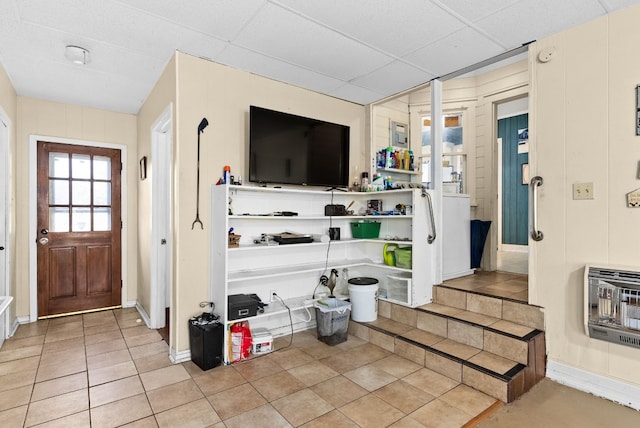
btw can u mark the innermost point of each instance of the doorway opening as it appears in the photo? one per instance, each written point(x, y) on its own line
point(78, 228)
point(161, 219)
point(512, 130)
point(34, 232)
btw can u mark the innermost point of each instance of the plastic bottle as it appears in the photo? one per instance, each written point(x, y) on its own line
point(407, 160)
point(389, 158)
point(226, 175)
point(364, 182)
point(411, 161)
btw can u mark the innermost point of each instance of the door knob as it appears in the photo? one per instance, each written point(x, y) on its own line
point(44, 231)
point(163, 242)
point(1, 248)
point(43, 241)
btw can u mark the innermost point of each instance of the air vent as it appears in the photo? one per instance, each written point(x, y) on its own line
point(615, 275)
point(614, 335)
point(630, 341)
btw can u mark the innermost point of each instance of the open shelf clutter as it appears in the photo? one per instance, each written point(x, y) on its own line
point(294, 270)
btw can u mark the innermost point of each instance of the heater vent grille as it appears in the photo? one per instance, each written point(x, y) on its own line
point(615, 275)
point(628, 340)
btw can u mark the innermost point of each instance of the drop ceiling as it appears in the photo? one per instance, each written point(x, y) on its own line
point(356, 50)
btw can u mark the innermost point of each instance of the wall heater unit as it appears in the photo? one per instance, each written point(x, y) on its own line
point(612, 304)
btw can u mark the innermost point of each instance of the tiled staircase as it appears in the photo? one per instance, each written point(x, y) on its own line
point(492, 344)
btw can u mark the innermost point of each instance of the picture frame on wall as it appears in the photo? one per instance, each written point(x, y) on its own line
point(143, 168)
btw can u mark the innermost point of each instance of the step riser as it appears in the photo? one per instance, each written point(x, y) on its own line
point(519, 313)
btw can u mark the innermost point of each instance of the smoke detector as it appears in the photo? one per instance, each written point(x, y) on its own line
point(77, 54)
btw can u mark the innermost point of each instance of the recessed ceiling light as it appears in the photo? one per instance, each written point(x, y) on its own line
point(77, 54)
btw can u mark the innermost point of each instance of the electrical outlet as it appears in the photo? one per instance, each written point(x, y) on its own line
point(582, 190)
point(272, 298)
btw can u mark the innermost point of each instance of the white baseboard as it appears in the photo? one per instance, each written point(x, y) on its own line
point(143, 314)
point(179, 357)
point(129, 303)
point(452, 275)
point(601, 386)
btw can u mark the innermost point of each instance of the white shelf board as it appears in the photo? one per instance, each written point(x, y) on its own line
point(302, 217)
point(252, 274)
point(346, 241)
point(399, 171)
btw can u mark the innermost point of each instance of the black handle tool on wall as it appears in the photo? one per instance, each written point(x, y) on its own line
point(203, 124)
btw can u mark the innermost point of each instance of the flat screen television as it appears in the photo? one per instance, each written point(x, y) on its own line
point(289, 149)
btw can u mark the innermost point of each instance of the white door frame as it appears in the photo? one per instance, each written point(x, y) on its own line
point(5, 216)
point(33, 214)
point(161, 218)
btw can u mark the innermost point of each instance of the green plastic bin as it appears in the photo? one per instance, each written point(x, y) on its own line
point(365, 229)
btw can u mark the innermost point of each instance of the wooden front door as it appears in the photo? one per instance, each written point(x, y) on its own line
point(79, 242)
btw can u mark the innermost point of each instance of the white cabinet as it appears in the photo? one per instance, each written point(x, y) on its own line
point(293, 271)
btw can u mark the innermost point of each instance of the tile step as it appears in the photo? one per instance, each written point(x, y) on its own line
point(482, 308)
point(501, 377)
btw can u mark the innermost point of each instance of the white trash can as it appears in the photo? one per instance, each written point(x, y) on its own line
point(363, 293)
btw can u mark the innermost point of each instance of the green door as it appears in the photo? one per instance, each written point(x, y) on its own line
point(515, 203)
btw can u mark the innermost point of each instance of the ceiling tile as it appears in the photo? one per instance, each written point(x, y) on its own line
point(110, 22)
point(246, 60)
point(219, 18)
point(473, 10)
point(394, 27)
point(463, 48)
point(393, 78)
point(613, 5)
point(356, 94)
point(281, 34)
point(82, 87)
point(538, 19)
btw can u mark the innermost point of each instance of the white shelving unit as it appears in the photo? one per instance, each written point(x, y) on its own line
point(293, 270)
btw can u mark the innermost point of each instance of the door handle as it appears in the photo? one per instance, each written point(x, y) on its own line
point(536, 182)
point(43, 241)
point(44, 231)
point(430, 238)
point(163, 242)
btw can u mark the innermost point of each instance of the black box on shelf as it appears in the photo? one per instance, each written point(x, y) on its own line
point(335, 210)
point(241, 306)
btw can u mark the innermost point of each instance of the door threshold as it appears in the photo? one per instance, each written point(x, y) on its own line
point(88, 311)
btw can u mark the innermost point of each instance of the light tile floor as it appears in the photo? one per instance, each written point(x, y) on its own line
point(106, 369)
point(498, 284)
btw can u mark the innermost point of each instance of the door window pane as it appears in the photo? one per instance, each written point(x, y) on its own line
point(80, 219)
point(101, 168)
point(58, 219)
point(80, 166)
point(59, 165)
point(101, 193)
point(101, 219)
point(81, 193)
point(59, 192)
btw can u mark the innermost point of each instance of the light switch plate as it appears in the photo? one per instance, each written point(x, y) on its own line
point(582, 191)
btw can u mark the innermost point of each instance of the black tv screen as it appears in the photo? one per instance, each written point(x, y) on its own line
point(290, 149)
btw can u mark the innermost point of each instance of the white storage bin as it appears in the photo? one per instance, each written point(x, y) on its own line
point(398, 288)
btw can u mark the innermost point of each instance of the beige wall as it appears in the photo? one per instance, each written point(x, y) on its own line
point(45, 118)
point(162, 95)
point(582, 130)
point(223, 95)
point(8, 102)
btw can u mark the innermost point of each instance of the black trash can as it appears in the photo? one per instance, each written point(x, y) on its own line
point(479, 232)
point(206, 340)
